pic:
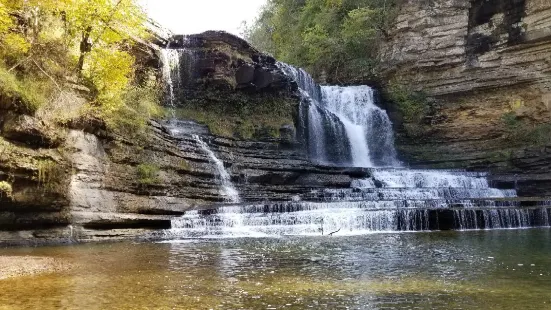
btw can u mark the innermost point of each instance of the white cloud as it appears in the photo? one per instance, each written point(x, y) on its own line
point(195, 16)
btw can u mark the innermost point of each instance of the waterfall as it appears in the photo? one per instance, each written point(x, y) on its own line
point(390, 200)
point(170, 60)
point(345, 219)
point(502, 218)
point(228, 189)
point(368, 127)
point(342, 125)
point(178, 70)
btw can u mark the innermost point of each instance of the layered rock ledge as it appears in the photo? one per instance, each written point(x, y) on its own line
point(487, 65)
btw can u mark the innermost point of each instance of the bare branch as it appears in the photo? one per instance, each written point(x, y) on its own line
point(20, 63)
point(45, 73)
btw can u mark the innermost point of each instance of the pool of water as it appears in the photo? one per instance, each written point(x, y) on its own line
point(507, 269)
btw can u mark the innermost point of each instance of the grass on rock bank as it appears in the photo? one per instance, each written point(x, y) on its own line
point(27, 93)
point(246, 122)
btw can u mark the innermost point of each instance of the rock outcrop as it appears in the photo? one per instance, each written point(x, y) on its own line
point(487, 64)
point(219, 60)
point(236, 90)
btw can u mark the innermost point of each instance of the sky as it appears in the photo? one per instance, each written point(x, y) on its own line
point(195, 16)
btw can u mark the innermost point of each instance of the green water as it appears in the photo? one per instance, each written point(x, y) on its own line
point(455, 270)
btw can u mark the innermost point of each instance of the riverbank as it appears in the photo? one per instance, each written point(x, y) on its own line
point(21, 266)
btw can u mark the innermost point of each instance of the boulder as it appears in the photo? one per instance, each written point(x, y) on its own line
point(245, 75)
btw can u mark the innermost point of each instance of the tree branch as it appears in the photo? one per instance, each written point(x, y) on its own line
point(45, 73)
point(20, 63)
point(108, 21)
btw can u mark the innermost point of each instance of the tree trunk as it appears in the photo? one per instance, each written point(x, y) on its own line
point(85, 48)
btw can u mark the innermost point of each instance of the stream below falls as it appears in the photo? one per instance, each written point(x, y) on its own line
point(497, 269)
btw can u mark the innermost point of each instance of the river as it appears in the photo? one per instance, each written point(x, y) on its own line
point(495, 269)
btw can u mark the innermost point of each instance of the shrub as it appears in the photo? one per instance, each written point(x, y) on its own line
point(148, 174)
point(413, 104)
point(141, 103)
point(519, 132)
point(259, 118)
point(510, 120)
point(27, 93)
point(5, 189)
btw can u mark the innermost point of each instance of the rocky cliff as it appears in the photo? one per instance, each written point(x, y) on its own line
point(487, 65)
point(83, 183)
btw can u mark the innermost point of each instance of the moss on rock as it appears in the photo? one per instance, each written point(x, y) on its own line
point(6, 190)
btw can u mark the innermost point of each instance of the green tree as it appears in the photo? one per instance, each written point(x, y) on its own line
point(333, 38)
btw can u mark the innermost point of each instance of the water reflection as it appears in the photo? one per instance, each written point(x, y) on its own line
point(453, 270)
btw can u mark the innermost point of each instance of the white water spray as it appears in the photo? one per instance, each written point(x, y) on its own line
point(170, 59)
point(227, 188)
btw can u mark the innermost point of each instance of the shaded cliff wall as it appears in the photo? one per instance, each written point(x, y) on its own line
point(488, 65)
point(232, 87)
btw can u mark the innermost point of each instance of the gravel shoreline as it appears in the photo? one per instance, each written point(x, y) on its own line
point(20, 266)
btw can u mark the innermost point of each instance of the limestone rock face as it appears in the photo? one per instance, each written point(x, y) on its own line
point(223, 61)
point(481, 60)
point(453, 47)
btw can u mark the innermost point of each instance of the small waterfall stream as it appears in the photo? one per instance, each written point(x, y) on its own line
point(170, 59)
point(178, 69)
point(228, 189)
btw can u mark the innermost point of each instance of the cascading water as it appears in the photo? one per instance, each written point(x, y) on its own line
point(178, 70)
point(227, 188)
point(342, 126)
point(170, 59)
point(389, 201)
point(368, 127)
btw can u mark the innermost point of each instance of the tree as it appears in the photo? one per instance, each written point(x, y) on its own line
point(337, 38)
point(103, 23)
point(11, 42)
point(46, 42)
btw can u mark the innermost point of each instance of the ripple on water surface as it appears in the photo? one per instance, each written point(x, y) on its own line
point(455, 270)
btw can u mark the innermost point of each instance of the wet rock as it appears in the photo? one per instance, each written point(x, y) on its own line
point(245, 75)
point(264, 78)
point(288, 134)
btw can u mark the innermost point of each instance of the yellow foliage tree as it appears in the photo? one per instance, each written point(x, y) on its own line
point(110, 71)
point(104, 22)
point(11, 42)
point(49, 40)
